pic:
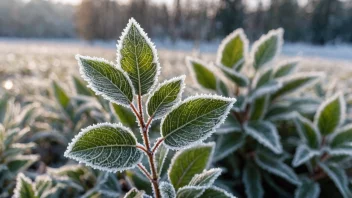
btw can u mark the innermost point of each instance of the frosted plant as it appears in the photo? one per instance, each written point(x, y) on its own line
point(184, 124)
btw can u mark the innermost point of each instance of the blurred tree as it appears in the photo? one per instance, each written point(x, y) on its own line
point(230, 16)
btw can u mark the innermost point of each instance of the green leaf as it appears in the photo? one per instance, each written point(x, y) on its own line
point(134, 193)
point(233, 50)
point(228, 143)
point(21, 162)
point(124, 115)
point(166, 95)
point(108, 147)
point(331, 114)
point(24, 187)
point(278, 112)
point(308, 131)
point(206, 178)
point(202, 73)
point(265, 133)
point(236, 77)
point(215, 192)
point(167, 190)
point(221, 88)
point(230, 125)
point(295, 83)
point(339, 177)
point(159, 157)
point(61, 96)
point(106, 79)
point(81, 87)
point(259, 108)
point(308, 189)
point(276, 167)
point(240, 104)
point(341, 141)
point(188, 162)
point(267, 88)
point(42, 184)
point(263, 77)
point(285, 68)
point(252, 181)
point(190, 192)
point(194, 119)
point(138, 57)
point(303, 154)
point(267, 48)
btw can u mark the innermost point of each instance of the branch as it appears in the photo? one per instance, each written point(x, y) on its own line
point(142, 168)
point(143, 149)
point(157, 144)
point(149, 122)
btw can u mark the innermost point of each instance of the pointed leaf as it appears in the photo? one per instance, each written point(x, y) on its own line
point(215, 192)
point(206, 178)
point(24, 187)
point(252, 181)
point(61, 96)
point(267, 48)
point(308, 189)
point(236, 77)
point(188, 162)
point(230, 125)
point(259, 108)
point(166, 95)
point(276, 167)
point(285, 68)
point(106, 79)
point(263, 77)
point(341, 141)
point(233, 50)
point(81, 87)
point(228, 143)
point(339, 177)
point(21, 162)
point(308, 131)
point(42, 183)
point(194, 119)
point(267, 88)
point(190, 192)
point(108, 147)
point(265, 133)
point(221, 88)
point(159, 157)
point(124, 115)
point(167, 190)
point(201, 73)
point(303, 154)
point(138, 57)
point(331, 114)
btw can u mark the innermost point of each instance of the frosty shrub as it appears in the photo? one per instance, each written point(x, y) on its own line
point(276, 136)
point(184, 124)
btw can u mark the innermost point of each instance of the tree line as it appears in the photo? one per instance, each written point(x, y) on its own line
point(317, 21)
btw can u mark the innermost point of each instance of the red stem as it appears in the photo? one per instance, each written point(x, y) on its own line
point(157, 144)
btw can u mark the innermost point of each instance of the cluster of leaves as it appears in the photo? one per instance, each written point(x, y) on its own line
point(272, 137)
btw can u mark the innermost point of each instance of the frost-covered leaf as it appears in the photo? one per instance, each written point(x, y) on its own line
point(259, 107)
point(138, 57)
point(108, 147)
point(21, 162)
point(233, 50)
point(263, 77)
point(339, 177)
point(206, 178)
point(109, 185)
point(276, 167)
point(341, 142)
point(190, 192)
point(164, 97)
point(194, 119)
point(303, 154)
point(285, 68)
point(267, 48)
point(252, 181)
point(265, 133)
point(124, 115)
point(279, 112)
point(81, 87)
point(24, 187)
point(240, 104)
point(221, 88)
point(167, 190)
point(160, 156)
point(308, 189)
point(134, 193)
point(308, 131)
point(296, 82)
point(42, 184)
point(188, 162)
point(228, 143)
point(215, 192)
point(60, 95)
point(267, 88)
point(236, 77)
point(331, 114)
point(201, 73)
point(106, 79)
point(230, 125)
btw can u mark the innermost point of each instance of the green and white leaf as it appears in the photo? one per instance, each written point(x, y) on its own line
point(194, 120)
point(24, 187)
point(285, 68)
point(159, 157)
point(341, 141)
point(308, 131)
point(279, 112)
point(308, 189)
point(303, 154)
point(167, 190)
point(134, 193)
point(201, 73)
point(267, 48)
point(230, 125)
point(252, 180)
point(106, 79)
point(188, 162)
point(206, 178)
point(137, 55)
point(108, 147)
point(265, 133)
point(233, 50)
point(228, 143)
point(61, 96)
point(221, 88)
point(331, 114)
point(259, 107)
point(215, 192)
point(267, 88)
point(21, 162)
point(81, 87)
point(165, 96)
point(190, 192)
point(42, 183)
point(276, 167)
point(236, 77)
point(124, 115)
point(339, 177)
